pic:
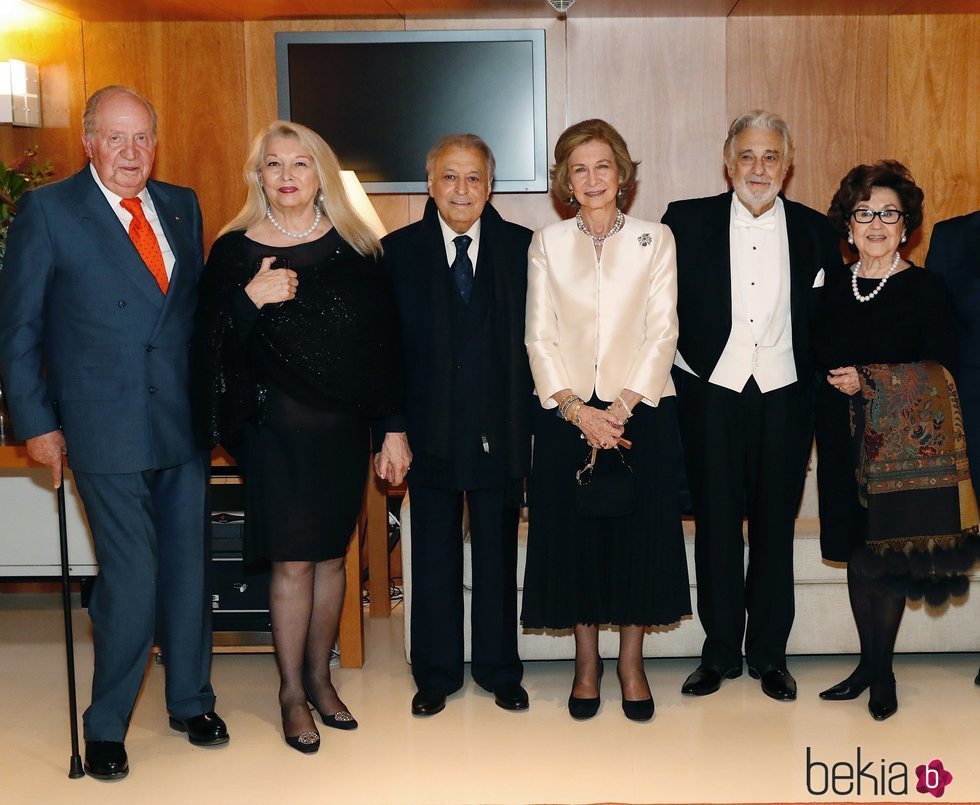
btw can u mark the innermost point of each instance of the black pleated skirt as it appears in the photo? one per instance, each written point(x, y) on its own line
point(628, 571)
point(304, 472)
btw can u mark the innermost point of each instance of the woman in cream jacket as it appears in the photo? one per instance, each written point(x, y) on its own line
point(601, 334)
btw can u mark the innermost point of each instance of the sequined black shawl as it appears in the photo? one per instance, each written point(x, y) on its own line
point(349, 355)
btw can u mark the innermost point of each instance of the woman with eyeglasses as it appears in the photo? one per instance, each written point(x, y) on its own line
point(885, 423)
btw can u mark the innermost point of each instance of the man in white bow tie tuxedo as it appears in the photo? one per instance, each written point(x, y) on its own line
point(750, 266)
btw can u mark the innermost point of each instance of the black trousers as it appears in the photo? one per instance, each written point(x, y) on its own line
point(437, 588)
point(746, 455)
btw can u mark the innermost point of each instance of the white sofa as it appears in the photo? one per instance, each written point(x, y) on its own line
point(823, 622)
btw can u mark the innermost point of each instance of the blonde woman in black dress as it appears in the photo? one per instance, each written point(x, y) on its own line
point(296, 341)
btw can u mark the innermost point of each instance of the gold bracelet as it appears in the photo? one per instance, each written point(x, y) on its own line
point(622, 402)
point(575, 419)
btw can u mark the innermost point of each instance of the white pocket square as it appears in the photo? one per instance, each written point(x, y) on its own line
point(820, 278)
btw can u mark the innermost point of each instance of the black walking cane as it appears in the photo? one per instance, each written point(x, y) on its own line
point(75, 766)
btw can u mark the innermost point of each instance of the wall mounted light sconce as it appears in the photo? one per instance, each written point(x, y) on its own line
point(20, 93)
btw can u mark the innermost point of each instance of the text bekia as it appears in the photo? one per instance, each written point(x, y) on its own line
point(844, 778)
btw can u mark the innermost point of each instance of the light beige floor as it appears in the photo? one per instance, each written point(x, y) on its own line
point(734, 746)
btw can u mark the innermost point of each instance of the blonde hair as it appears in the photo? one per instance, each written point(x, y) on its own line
point(333, 198)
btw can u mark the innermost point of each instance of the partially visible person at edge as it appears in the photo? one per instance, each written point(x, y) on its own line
point(296, 339)
point(750, 266)
point(97, 299)
point(954, 254)
point(883, 335)
point(601, 333)
point(460, 278)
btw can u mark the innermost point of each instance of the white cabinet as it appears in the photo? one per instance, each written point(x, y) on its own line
point(29, 542)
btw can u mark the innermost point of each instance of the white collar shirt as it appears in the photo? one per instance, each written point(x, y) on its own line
point(448, 235)
point(125, 218)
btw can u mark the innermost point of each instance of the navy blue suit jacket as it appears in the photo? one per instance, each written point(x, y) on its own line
point(87, 340)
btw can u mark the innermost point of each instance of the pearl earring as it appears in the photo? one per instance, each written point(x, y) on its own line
point(904, 237)
point(850, 240)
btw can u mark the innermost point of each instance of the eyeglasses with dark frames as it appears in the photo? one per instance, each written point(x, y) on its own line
point(865, 216)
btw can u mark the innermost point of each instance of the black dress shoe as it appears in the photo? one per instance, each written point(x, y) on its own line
point(706, 680)
point(207, 729)
point(583, 709)
point(428, 702)
point(884, 699)
point(777, 683)
point(106, 760)
point(511, 697)
point(977, 680)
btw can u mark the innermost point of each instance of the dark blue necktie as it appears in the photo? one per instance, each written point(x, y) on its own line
point(463, 268)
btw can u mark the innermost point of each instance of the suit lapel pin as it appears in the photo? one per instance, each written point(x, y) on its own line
point(176, 217)
point(645, 239)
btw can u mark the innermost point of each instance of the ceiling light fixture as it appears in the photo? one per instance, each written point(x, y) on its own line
point(561, 6)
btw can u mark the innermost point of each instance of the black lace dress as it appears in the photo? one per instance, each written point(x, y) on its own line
point(290, 389)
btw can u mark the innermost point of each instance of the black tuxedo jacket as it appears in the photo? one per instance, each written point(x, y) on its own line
point(466, 367)
point(704, 287)
point(954, 253)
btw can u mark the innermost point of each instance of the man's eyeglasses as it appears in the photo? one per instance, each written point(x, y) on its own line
point(865, 216)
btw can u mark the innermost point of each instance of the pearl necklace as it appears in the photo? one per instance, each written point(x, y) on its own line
point(286, 232)
point(597, 239)
point(854, 280)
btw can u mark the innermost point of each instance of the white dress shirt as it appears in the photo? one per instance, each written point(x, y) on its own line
point(125, 218)
point(760, 344)
point(473, 250)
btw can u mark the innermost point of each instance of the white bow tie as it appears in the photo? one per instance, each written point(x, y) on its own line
point(768, 223)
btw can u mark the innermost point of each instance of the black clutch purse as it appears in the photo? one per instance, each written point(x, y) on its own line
point(604, 485)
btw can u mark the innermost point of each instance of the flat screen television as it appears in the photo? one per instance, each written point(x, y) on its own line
point(382, 98)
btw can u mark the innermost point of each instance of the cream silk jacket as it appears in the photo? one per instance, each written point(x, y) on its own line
point(602, 325)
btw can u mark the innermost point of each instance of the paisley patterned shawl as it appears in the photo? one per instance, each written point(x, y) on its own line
point(912, 469)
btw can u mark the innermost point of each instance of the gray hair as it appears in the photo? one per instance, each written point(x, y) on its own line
point(92, 106)
point(461, 141)
point(759, 119)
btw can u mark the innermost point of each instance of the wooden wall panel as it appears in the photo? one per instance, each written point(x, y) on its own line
point(826, 76)
point(934, 112)
point(661, 83)
point(194, 73)
point(54, 43)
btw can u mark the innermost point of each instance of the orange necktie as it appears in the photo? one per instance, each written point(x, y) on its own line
point(145, 241)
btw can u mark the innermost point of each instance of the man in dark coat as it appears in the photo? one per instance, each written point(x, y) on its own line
point(750, 264)
point(460, 278)
point(954, 253)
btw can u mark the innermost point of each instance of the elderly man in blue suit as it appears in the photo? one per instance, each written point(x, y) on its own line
point(97, 299)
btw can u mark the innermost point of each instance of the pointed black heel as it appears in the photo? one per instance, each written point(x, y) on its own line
point(884, 699)
point(847, 689)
